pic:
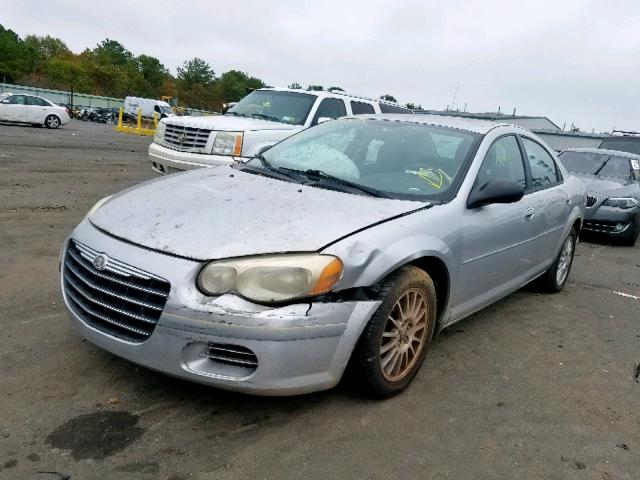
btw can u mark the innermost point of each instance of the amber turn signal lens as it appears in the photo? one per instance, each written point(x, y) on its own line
point(328, 278)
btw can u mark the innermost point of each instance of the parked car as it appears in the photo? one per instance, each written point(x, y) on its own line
point(258, 121)
point(33, 110)
point(612, 179)
point(345, 246)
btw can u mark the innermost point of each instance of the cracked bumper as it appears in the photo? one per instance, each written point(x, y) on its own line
point(299, 348)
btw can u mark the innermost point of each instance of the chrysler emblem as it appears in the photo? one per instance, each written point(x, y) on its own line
point(181, 138)
point(100, 262)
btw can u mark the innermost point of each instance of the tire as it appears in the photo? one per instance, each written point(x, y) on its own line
point(373, 363)
point(634, 231)
point(52, 121)
point(556, 277)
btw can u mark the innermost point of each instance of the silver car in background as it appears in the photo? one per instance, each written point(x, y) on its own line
point(344, 248)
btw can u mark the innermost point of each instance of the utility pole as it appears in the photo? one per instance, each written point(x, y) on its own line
point(455, 94)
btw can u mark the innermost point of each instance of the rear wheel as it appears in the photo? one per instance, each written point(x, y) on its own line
point(556, 277)
point(52, 121)
point(394, 343)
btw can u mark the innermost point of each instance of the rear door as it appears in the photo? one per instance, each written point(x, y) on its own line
point(497, 251)
point(14, 109)
point(550, 201)
point(37, 109)
point(329, 108)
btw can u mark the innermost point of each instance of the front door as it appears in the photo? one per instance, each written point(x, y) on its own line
point(36, 109)
point(497, 252)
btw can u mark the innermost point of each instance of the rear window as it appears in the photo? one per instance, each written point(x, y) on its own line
point(622, 144)
point(386, 108)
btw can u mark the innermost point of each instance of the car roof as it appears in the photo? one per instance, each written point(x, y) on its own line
point(603, 151)
point(335, 93)
point(470, 124)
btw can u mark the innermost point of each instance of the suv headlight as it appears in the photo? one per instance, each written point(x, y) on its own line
point(228, 143)
point(625, 202)
point(272, 278)
point(158, 135)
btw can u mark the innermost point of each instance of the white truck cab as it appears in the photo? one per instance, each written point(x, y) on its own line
point(258, 121)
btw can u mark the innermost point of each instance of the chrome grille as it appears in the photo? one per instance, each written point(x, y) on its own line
point(119, 299)
point(186, 138)
point(591, 201)
point(231, 355)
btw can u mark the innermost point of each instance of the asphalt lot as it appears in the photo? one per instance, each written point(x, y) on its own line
point(535, 386)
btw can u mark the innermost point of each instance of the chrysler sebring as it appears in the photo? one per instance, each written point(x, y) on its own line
point(341, 250)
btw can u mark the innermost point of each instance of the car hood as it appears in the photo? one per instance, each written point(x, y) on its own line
point(229, 123)
point(603, 185)
point(222, 212)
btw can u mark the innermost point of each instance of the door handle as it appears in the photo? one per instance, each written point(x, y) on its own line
point(529, 214)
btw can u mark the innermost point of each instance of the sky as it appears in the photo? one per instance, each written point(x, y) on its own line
point(574, 61)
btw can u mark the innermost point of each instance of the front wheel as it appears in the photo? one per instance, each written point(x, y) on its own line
point(52, 121)
point(556, 277)
point(394, 343)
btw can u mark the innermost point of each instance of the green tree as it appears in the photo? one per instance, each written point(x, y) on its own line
point(153, 75)
point(315, 88)
point(336, 89)
point(388, 98)
point(196, 72)
point(12, 55)
point(295, 86)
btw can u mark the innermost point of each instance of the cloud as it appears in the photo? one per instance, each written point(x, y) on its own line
point(574, 61)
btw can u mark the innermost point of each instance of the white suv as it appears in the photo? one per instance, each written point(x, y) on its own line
point(258, 121)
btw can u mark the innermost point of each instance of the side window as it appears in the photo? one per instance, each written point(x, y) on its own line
point(16, 100)
point(386, 108)
point(330, 107)
point(504, 161)
point(543, 169)
point(37, 102)
point(359, 108)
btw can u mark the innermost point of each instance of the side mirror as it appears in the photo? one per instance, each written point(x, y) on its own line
point(324, 119)
point(495, 191)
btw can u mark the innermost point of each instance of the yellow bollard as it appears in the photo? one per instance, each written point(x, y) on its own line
point(155, 120)
point(120, 118)
point(139, 126)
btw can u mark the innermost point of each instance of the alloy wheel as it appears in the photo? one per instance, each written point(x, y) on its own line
point(564, 262)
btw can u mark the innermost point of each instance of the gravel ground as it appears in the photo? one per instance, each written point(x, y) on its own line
point(533, 387)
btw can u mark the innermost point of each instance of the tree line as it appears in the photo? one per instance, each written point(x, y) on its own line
point(109, 69)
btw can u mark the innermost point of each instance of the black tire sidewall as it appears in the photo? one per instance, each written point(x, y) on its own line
point(368, 348)
point(554, 271)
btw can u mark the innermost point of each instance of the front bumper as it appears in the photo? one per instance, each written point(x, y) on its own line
point(166, 160)
point(300, 348)
point(611, 221)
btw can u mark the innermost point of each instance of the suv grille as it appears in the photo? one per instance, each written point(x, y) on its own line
point(118, 299)
point(591, 201)
point(186, 138)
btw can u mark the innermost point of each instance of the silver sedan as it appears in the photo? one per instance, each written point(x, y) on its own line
point(341, 250)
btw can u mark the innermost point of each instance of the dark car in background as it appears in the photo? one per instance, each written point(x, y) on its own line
point(612, 179)
point(622, 143)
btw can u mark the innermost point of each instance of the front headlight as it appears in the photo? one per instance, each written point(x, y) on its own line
point(158, 135)
point(97, 205)
point(626, 202)
point(228, 143)
point(272, 278)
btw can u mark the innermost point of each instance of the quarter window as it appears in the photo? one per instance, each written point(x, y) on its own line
point(386, 108)
point(544, 172)
point(331, 108)
point(503, 161)
point(361, 108)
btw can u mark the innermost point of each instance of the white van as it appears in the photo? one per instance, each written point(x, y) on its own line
point(148, 107)
point(258, 121)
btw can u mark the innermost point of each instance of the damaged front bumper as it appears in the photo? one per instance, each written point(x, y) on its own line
point(227, 341)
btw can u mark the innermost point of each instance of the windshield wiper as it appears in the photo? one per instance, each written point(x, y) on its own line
point(266, 117)
point(604, 164)
point(236, 114)
point(265, 165)
point(330, 179)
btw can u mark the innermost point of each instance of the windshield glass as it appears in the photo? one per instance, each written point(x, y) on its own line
point(399, 159)
point(284, 107)
point(591, 163)
point(165, 109)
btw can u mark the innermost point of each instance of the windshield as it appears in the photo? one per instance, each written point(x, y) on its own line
point(597, 164)
point(284, 107)
point(399, 159)
point(166, 109)
point(624, 144)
